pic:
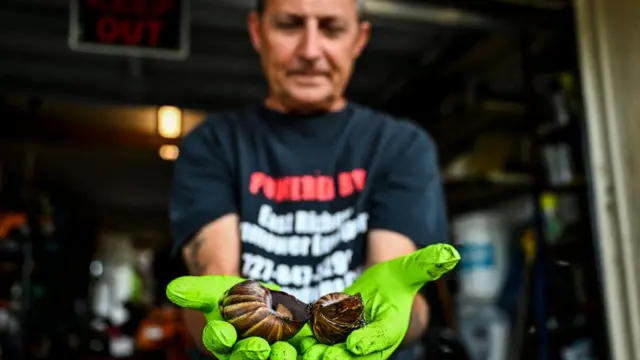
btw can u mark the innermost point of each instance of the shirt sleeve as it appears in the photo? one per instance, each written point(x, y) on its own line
point(202, 189)
point(408, 198)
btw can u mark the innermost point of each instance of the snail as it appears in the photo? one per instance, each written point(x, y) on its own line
point(334, 316)
point(255, 310)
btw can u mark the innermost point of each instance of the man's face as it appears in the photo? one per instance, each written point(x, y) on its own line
point(308, 49)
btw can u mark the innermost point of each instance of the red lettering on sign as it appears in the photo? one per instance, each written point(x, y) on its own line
point(130, 22)
point(111, 30)
point(131, 32)
point(107, 29)
point(307, 187)
point(154, 32)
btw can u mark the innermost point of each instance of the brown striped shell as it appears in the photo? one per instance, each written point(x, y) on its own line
point(255, 310)
point(334, 316)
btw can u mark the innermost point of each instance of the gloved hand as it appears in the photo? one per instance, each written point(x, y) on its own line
point(219, 337)
point(388, 290)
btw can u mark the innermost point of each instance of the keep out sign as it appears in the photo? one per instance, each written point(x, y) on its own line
point(156, 28)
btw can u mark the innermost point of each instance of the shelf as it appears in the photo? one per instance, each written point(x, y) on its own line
point(462, 127)
point(459, 131)
point(474, 193)
point(559, 134)
point(465, 195)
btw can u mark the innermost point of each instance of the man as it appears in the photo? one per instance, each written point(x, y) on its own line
point(306, 190)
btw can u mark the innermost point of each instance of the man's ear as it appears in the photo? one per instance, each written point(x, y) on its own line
point(363, 38)
point(253, 24)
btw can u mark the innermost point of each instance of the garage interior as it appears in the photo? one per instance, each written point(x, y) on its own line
point(495, 83)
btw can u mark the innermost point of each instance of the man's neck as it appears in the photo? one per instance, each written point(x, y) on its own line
point(280, 106)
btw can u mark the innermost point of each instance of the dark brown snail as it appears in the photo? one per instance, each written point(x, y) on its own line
point(255, 310)
point(334, 316)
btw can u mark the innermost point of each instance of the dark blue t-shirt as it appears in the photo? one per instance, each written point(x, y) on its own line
point(307, 189)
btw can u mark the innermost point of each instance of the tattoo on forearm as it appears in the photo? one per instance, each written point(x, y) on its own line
point(192, 256)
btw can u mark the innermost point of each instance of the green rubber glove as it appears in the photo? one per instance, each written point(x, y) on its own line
point(388, 290)
point(219, 337)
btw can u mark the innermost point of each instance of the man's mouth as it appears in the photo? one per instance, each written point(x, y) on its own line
point(309, 74)
point(308, 77)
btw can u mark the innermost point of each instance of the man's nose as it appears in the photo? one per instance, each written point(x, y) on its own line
point(310, 47)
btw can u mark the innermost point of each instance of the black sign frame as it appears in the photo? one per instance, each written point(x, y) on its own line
point(77, 44)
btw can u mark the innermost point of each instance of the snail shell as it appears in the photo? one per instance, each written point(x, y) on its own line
point(334, 316)
point(255, 310)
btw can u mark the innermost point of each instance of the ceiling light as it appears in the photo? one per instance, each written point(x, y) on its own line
point(169, 122)
point(168, 152)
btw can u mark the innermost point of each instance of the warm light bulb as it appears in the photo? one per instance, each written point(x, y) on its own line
point(168, 152)
point(169, 122)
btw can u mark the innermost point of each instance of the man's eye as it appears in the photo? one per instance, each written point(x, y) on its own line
point(333, 30)
point(331, 26)
point(289, 22)
point(288, 25)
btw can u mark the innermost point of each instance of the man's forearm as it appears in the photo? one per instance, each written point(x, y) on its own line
point(215, 249)
point(204, 254)
point(192, 257)
point(419, 320)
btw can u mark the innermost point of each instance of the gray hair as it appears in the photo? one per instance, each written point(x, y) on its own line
point(260, 5)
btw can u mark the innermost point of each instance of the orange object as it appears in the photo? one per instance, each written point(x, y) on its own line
point(164, 329)
point(10, 221)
